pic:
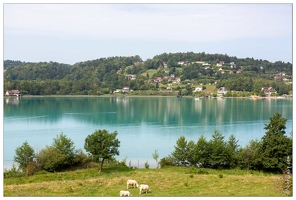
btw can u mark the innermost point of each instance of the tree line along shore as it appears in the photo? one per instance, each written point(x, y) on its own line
point(183, 74)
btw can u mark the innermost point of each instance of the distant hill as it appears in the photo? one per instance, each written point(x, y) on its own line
point(11, 63)
point(107, 74)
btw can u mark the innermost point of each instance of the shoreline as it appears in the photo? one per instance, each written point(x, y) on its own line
point(149, 96)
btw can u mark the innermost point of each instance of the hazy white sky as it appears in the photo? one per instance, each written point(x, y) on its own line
point(70, 33)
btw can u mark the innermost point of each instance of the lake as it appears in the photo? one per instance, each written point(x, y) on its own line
point(144, 124)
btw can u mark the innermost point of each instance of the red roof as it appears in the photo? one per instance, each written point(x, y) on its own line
point(13, 92)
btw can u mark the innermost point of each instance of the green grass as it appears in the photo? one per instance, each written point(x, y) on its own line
point(210, 89)
point(151, 72)
point(172, 181)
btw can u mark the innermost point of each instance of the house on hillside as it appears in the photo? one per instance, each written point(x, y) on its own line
point(221, 91)
point(165, 65)
point(131, 77)
point(232, 65)
point(169, 87)
point(125, 89)
point(197, 89)
point(13, 93)
point(269, 90)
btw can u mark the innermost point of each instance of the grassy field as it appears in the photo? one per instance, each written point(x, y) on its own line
point(172, 181)
point(210, 89)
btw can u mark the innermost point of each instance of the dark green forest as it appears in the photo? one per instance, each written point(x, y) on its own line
point(105, 75)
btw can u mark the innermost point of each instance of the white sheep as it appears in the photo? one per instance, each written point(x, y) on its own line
point(132, 182)
point(124, 193)
point(144, 187)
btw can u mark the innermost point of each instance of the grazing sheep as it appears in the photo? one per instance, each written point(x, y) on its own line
point(132, 182)
point(144, 187)
point(124, 193)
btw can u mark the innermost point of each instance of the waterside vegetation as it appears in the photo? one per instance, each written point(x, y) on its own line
point(270, 157)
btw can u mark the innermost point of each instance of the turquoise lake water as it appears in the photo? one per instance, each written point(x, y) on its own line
point(144, 124)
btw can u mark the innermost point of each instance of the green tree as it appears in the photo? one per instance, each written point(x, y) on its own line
point(217, 150)
point(202, 152)
point(180, 153)
point(191, 158)
point(189, 89)
point(232, 151)
point(248, 156)
point(102, 146)
point(24, 155)
point(276, 146)
point(184, 152)
point(64, 146)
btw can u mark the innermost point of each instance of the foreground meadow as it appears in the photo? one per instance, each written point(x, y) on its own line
point(171, 181)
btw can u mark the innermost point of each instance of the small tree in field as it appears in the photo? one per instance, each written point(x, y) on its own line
point(102, 146)
point(24, 155)
point(155, 156)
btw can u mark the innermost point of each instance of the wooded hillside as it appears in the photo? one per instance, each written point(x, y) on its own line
point(105, 75)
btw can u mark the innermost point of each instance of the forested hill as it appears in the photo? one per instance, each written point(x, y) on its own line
point(108, 74)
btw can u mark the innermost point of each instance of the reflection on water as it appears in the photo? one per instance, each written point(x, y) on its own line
point(12, 100)
point(143, 124)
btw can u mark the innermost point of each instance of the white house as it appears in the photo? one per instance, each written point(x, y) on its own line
point(197, 89)
point(13, 93)
point(125, 89)
point(222, 90)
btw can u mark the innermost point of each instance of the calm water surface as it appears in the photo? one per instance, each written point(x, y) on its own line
point(143, 123)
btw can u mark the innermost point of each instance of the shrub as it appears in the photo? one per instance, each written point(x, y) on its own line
point(166, 161)
point(122, 162)
point(50, 159)
point(146, 165)
point(31, 168)
point(13, 172)
point(81, 159)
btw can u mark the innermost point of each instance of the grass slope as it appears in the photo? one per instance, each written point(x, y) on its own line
point(172, 181)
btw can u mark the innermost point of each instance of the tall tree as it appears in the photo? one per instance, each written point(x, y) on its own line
point(102, 145)
point(201, 152)
point(64, 146)
point(276, 146)
point(217, 150)
point(232, 151)
point(180, 153)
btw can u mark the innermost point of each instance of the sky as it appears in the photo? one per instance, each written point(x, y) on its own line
point(75, 32)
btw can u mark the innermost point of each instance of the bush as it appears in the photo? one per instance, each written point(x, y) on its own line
point(13, 172)
point(31, 168)
point(166, 161)
point(81, 159)
point(146, 165)
point(122, 162)
point(50, 159)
